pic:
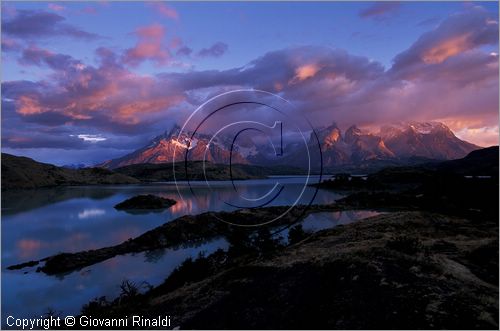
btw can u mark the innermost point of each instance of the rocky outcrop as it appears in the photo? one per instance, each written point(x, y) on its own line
point(147, 201)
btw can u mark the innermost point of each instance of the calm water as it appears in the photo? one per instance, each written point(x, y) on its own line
point(40, 223)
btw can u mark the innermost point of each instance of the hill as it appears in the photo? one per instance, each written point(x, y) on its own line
point(482, 162)
point(149, 172)
point(25, 173)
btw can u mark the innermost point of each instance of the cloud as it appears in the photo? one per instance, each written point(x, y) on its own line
point(427, 82)
point(37, 56)
point(304, 72)
point(55, 7)
point(26, 140)
point(184, 51)
point(216, 50)
point(484, 136)
point(457, 34)
point(379, 9)
point(429, 21)
point(10, 45)
point(108, 96)
point(28, 24)
point(164, 10)
point(89, 10)
point(93, 138)
point(150, 46)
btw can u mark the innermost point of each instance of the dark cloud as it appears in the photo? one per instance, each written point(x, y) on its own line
point(216, 50)
point(379, 9)
point(36, 56)
point(184, 51)
point(29, 140)
point(41, 24)
point(429, 21)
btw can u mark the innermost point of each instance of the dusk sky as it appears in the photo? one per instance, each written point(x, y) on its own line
point(85, 82)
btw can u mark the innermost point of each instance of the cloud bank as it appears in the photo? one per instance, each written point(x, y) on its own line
point(444, 75)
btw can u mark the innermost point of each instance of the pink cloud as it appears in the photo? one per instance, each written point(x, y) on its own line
point(89, 10)
point(447, 48)
point(55, 7)
point(9, 44)
point(106, 95)
point(164, 10)
point(304, 72)
point(150, 46)
point(484, 136)
point(28, 105)
point(457, 34)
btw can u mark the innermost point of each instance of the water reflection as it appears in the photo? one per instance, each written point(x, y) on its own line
point(24, 200)
point(40, 223)
point(29, 295)
point(92, 212)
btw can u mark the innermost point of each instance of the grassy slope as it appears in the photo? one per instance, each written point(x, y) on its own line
point(25, 173)
point(149, 172)
point(401, 270)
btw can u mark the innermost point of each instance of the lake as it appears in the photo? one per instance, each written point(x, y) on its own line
point(44, 222)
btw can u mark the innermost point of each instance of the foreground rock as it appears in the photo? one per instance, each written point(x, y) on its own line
point(147, 201)
point(407, 270)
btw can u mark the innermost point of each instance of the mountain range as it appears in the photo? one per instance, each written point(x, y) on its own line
point(392, 143)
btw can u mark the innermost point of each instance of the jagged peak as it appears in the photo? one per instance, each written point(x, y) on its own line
point(353, 130)
point(174, 131)
point(397, 140)
point(332, 126)
point(415, 127)
point(352, 133)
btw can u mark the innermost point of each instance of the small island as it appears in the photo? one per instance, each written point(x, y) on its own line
point(145, 202)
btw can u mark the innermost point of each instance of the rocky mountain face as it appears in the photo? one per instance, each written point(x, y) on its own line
point(354, 146)
point(170, 147)
point(432, 140)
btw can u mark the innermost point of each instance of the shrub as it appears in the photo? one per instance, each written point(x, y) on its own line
point(297, 234)
point(405, 244)
point(96, 307)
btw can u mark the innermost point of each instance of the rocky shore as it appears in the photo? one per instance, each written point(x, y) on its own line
point(398, 270)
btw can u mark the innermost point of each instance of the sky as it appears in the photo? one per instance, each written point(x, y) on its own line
point(83, 82)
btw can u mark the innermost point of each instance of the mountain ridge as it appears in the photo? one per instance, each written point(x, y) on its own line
point(429, 140)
